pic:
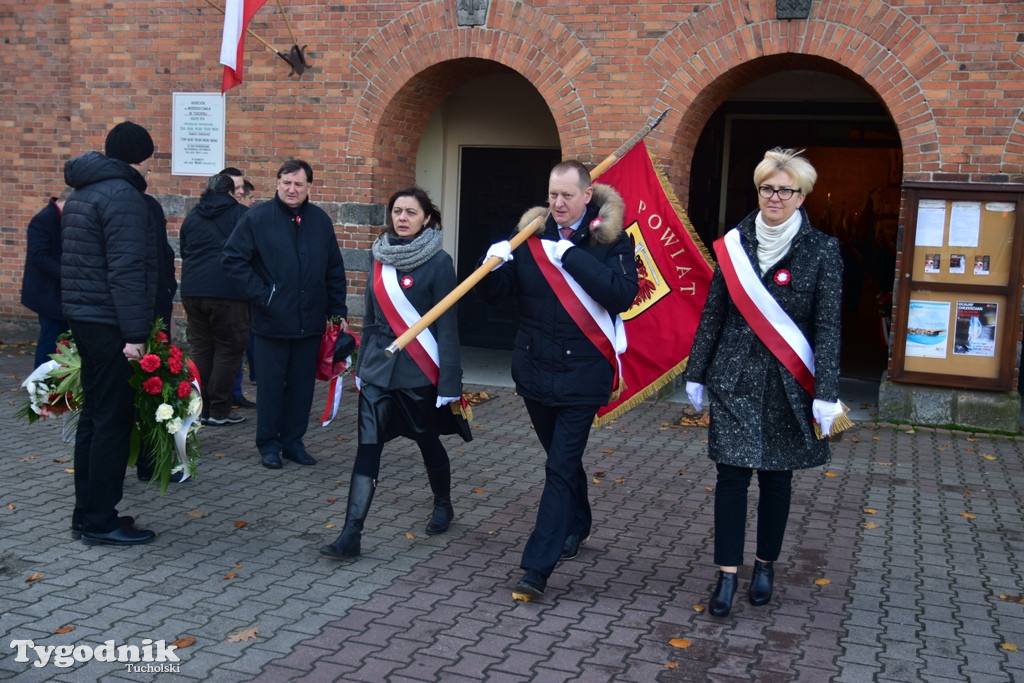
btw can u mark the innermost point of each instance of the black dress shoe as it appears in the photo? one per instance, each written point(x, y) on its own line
point(242, 402)
point(531, 586)
point(272, 461)
point(119, 536)
point(761, 583)
point(301, 457)
point(571, 548)
point(76, 529)
point(721, 599)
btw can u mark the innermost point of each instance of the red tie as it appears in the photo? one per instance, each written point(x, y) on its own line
point(566, 233)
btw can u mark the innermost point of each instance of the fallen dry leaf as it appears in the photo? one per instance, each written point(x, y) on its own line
point(239, 524)
point(31, 457)
point(69, 470)
point(595, 481)
point(10, 506)
point(680, 643)
point(198, 514)
point(987, 456)
point(968, 515)
point(479, 490)
point(219, 455)
point(1009, 647)
point(330, 525)
point(34, 577)
point(871, 511)
point(332, 501)
point(230, 575)
point(620, 480)
point(600, 474)
point(184, 642)
point(870, 525)
point(237, 565)
point(698, 608)
point(831, 474)
point(410, 535)
point(60, 460)
point(671, 665)
point(244, 634)
point(65, 629)
point(821, 582)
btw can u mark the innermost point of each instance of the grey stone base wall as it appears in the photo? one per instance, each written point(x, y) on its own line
point(939, 406)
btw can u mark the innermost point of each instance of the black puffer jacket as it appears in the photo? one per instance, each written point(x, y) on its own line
point(553, 361)
point(203, 235)
point(109, 257)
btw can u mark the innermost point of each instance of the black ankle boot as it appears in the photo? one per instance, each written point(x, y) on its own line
point(721, 598)
point(360, 495)
point(761, 583)
point(441, 485)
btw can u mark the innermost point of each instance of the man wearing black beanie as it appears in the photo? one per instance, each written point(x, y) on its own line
point(109, 267)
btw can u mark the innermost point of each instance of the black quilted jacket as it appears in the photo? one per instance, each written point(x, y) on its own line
point(109, 257)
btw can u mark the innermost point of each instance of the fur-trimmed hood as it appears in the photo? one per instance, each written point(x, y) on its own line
point(610, 210)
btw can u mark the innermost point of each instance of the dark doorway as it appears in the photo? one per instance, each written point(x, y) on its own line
point(856, 150)
point(497, 186)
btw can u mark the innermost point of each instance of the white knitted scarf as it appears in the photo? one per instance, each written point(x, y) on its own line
point(773, 241)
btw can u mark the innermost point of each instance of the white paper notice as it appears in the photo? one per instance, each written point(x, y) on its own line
point(931, 219)
point(965, 224)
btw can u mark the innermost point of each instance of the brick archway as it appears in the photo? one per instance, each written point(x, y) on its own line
point(1012, 163)
point(740, 43)
point(414, 62)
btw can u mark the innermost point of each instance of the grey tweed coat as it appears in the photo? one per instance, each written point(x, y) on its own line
point(760, 415)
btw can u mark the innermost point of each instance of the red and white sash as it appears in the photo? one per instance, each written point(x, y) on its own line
point(766, 318)
point(401, 315)
point(605, 331)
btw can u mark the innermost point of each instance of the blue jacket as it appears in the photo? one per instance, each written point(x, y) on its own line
point(40, 286)
point(109, 251)
point(291, 272)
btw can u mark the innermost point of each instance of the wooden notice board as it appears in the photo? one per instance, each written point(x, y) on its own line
point(957, 319)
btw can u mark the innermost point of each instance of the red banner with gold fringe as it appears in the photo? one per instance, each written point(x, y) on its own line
point(675, 273)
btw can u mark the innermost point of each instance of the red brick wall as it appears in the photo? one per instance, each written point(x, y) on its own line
point(950, 74)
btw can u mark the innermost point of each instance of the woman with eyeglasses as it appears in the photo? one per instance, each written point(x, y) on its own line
point(766, 361)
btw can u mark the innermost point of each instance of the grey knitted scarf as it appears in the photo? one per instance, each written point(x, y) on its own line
point(405, 255)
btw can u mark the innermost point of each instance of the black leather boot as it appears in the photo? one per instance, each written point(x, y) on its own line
point(441, 484)
point(761, 583)
point(360, 495)
point(721, 599)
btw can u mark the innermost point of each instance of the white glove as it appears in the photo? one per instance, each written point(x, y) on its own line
point(445, 400)
point(696, 393)
point(502, 250)
point(562, 246)
point(825, 414)
point(359, 384)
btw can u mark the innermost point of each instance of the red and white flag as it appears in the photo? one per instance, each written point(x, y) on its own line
point(237, 15)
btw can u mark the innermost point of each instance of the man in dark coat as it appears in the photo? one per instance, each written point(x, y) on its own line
point(218, 312)
point(108, 286)
point(40, 287)
point(562, 373)
point(284, 256)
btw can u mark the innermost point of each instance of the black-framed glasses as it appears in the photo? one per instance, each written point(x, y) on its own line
point(783, 192)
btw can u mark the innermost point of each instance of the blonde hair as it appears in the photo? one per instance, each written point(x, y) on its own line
point(790, 161)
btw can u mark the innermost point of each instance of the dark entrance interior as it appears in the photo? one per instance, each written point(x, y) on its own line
point(855, 149)
point(498, 184)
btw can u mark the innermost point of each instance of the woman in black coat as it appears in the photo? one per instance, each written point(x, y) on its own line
point(764, 394)
point(407, 394)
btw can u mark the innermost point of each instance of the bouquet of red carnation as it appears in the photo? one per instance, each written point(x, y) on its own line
point(168, 403)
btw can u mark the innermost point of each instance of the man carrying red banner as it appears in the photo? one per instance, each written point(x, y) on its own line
point(571, 286)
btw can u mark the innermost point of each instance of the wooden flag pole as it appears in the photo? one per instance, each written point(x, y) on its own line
point(536, 226)
point(250, 32)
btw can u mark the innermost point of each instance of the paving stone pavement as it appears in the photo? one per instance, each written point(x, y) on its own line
point(902, 561)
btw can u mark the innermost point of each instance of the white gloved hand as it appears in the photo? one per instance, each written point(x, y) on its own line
point(825, 414)
point(562, 246)
point(359, 384)
point(502, 250)
point(696, 393)
point(445, 400)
